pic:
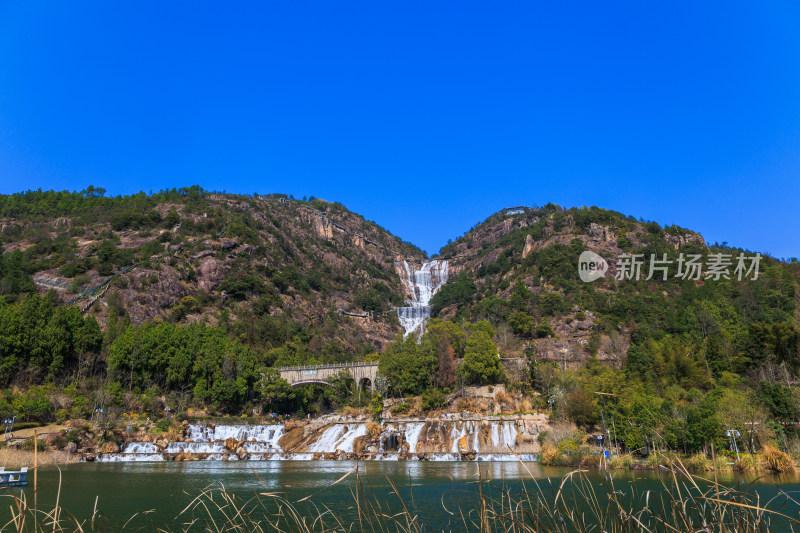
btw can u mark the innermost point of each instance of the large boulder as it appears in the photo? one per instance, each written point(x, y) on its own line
point(110, 447)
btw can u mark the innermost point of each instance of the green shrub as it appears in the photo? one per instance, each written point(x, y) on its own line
point(400, 409)
point(376, 406)
point(541, 438)
point(61, 416)
point(28, 445)
point(433, 399)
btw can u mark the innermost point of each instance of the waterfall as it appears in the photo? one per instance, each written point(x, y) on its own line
point(450, 438)
point(420, 285)
point(327, 441)
point(412, 435)
point(339, 438)
point(140, 447)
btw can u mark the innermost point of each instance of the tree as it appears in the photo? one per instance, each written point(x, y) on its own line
point(275, 392)
point(481, 364)
point(445, 375)
point(13, 277)
point(780, 401)
point(455, 334)
point(741, 411)
point(407, 366)
point(172, 219)
point(522, 324)
point(581, 408)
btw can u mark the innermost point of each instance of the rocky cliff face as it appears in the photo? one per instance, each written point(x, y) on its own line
point(534, 254)
point(304, 263)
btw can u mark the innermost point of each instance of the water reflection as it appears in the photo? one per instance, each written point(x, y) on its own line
point(166, 487)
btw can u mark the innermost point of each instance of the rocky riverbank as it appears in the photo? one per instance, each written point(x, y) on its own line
point(463, 436)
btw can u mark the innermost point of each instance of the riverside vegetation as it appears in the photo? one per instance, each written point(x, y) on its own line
point(683, 502)
point(655, 366)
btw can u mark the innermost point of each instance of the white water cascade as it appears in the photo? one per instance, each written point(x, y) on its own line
point(448, 438)
point(421, 285)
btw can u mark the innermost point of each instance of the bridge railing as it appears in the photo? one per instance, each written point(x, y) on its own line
point(324, 367)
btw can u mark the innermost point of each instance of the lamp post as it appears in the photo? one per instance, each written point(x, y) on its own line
point(9, 422)
point(732, 434)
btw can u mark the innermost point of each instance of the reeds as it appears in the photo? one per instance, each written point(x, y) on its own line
point(771, 458)
point(576, 503)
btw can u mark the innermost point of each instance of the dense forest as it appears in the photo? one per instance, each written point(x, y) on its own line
point(186, 299)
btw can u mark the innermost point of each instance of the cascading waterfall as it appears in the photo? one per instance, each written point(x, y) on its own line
point(338, 438)
point(412, 435)
point(449, 438)
point(421, 285)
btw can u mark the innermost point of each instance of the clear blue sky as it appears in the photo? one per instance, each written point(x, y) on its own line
point(423, 116)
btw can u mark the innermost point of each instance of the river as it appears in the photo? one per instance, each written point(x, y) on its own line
point(429, 489)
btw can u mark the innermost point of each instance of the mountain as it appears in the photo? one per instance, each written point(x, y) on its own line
point(271, 268)
point(519, 270)
point(189, 299)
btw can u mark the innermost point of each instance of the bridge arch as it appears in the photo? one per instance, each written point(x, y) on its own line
point(309, 382)
point(363, 374)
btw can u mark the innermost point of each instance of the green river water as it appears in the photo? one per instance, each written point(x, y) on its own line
point(430, 489)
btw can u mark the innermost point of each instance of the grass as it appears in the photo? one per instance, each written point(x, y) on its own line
point(772, 459)
point(576, 504)
point(9, 457)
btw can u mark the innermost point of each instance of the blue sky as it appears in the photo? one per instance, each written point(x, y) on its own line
point(425, 118)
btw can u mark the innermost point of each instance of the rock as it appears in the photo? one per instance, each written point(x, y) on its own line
point(323, 227)
point(230, 444)
point(110, 447)
point(597, 232)
point(528, 246)
point(241, 453)
point(71, 447)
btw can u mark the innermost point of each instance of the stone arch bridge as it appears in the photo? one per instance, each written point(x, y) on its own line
point(363, 373)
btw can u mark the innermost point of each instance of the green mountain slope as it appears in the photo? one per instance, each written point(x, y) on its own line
point(521, 273)
point(268, 267)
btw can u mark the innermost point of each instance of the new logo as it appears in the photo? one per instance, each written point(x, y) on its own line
point(591, 266)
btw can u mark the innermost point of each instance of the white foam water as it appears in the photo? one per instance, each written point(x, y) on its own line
point(299, 456)
point(140, 448)
point(327, 441)
point(262, 433)
point(456, 434)
point(413, 431)
point(128, 457)
point(347, 442)
point(421, 284)
point(444, 457)
point(195, 447)
point(261, 443)
point(506, 457)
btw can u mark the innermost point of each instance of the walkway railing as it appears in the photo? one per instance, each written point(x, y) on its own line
point(330, 366)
